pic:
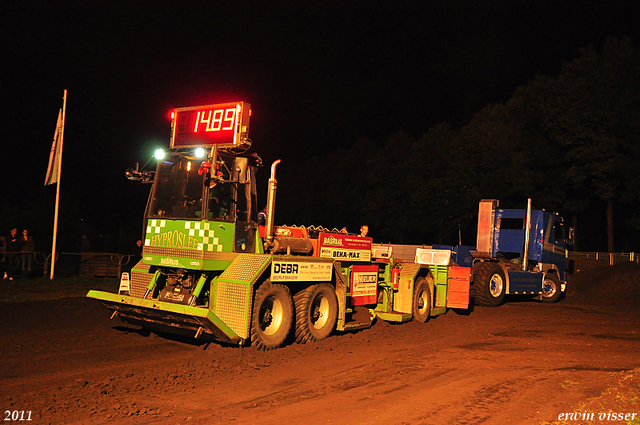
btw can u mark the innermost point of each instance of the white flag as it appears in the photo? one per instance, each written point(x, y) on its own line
point(55, 157)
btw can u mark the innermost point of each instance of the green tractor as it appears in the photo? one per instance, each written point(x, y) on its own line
point(213, 268)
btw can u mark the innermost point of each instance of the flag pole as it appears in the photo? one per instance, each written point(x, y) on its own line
point(55, 215)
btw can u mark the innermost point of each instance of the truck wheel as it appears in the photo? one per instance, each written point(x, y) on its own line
point(489, 285)
point(272, 314)
point(421, 300)
point(316, 313)
point(551, 289)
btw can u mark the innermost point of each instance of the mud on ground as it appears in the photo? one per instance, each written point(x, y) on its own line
point(522, 363)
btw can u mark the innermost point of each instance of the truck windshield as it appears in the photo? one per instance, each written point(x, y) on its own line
point(511, 223)
point(221, 202)
point(178, 189)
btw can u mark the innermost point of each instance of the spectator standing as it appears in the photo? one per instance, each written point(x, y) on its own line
point(262, 217)
point(27, 248)
point(13, 247)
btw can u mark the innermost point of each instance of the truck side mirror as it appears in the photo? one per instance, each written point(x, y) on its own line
point(132, 174)
point(240, 168)
point(570, 239)
point(139, 176)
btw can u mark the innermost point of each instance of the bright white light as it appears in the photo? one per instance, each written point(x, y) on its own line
point(200, 153)
point(159, 154)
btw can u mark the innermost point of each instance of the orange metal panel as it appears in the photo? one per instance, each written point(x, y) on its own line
point(459, 272)
point(458, 296)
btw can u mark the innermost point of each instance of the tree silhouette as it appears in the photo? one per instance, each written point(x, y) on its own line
point(592, 111)
point(567, 142)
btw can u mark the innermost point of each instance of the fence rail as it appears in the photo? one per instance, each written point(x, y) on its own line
point(84, 264)
point(609, 258)
point(90, 264)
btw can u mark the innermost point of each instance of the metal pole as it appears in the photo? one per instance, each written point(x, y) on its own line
point(55, 215)
point(527, 228)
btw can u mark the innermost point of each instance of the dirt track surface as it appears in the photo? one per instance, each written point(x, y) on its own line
point(521, 363)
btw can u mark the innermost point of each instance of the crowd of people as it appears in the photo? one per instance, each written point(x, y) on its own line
point(18, 258)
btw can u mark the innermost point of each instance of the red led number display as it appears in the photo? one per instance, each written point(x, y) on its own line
point(213, 120)
point(209, 125)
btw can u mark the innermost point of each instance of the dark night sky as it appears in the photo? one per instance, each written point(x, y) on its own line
point(317, 74)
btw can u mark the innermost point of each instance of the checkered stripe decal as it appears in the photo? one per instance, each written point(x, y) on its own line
point(195, 229)
point(204, 231)
point(154, 228)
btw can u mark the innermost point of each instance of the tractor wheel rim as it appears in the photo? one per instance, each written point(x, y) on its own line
point(320, 312)
point(271, 316)
point(422, 302)
point(495, 285)
point(549, 288)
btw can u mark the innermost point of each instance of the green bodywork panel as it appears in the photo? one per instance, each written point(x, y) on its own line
point(230, 296)
point(396, 305)
point(191, 244)
point(196, 235)
point(228, 279)
point(394, 316)
point(188, 244)
point(437, 311)
point(440, 277)
point(232, 292)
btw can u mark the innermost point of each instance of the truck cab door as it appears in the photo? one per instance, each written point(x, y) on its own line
point(245, 240)
point(246, 200)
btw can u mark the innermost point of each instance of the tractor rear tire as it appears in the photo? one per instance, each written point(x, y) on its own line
point(489, 285)
point(316, 313)
point(272, 316)
point(551, 289)
point(421, 300)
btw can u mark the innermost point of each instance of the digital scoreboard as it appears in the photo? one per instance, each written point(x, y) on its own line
point(223, 125)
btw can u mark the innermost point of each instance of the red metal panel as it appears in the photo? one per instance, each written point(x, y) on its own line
point(345, 241)
point(344, 247)
point(459, 283)
point(364, 284)
point(459, 272)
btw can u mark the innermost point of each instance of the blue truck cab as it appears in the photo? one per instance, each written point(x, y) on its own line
point(518, 251)
point(547, 240)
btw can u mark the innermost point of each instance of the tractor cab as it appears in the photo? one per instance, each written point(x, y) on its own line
point(191, 190)
point(203, 201)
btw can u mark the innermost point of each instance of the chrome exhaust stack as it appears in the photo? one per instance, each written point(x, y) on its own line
point(271, 205)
